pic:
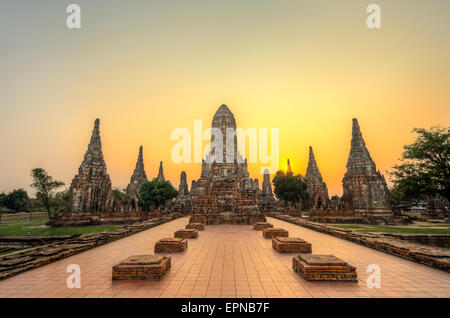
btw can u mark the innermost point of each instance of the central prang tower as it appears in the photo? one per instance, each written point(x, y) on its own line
point(224, 187)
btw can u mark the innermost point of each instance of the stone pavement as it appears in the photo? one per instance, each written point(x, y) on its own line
point(228, 261)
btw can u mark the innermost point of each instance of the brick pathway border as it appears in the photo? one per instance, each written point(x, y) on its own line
point(426, 255)
point(21, 261)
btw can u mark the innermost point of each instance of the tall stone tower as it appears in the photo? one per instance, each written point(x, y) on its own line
point(91, 189)
point(161, 172)
point(288, 169)
point(183, 202)
point(138, 178)
point(364, 188)
point(225, 187)
point(316, 187)
point(268, 201)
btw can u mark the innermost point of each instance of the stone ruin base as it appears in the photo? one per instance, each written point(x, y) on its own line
point(196, 226)
point(141, 267)
point(290, 245)
point(259, 226)
point(69, 219)
point(186, 233)
point(227, 218)
point(275, 232)
point(356, 217)
point(74, 219)
point(323, 267)
point(171, 245)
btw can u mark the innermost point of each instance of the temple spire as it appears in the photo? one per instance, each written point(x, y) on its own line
point(266, 185)
point(94, 153)
point(139, 174)
point(140, 162)
point(364, 188)
point(315, 186)
point(288, 170)
point(138, 178)
point(359, 159)
point(183, 188)
point(161, 172)
point(91, 190)
point(312, 168)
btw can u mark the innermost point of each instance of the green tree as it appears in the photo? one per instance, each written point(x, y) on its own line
point(156, 193)
point(16, 200)
point(290, 187)
point(425, 166)
point(60, 200)
point(44, 185)
point(118, 194)
point(2, 199)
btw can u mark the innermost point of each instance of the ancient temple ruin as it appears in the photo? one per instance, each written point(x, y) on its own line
point(91, 188)
point(91, 199)
point(183, 202)
point(268, 201)
point(161, 172)
point(288, 168)
point(138, 178)
point(316, 187)
point(224, 187)
point(364, 187)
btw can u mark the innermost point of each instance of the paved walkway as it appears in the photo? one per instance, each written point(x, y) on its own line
point(228, 261)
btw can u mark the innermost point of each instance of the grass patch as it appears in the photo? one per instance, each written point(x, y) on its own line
point(392, 229)
point(24, 228)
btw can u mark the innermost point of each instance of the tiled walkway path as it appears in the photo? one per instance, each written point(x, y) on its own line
point(228, 261)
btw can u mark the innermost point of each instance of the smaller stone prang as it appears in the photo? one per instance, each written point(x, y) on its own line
point(161, 172)
point(288, 170)
point(364, 188)
point(138, 178)
point(183, 202)
point(316, 187)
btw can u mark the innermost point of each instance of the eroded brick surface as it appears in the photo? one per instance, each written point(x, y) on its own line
point(274, 232)
point(196, 226)
point(186, 233)
point(170, 245)
point(141, 267)
point(323, 267)
point(259, 226)
point(290, 245)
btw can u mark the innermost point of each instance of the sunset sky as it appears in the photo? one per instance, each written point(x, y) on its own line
point(147, 67)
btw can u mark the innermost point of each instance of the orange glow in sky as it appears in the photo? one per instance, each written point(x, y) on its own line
point(147, 68)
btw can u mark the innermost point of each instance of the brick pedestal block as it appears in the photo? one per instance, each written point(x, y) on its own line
point(186, 233)
point(197, 218)
point(290, 245)
point(259, 226)
point(141, 267)
point(171, 245)
point(323, 267)
point(275, 232)
point(196, 226)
